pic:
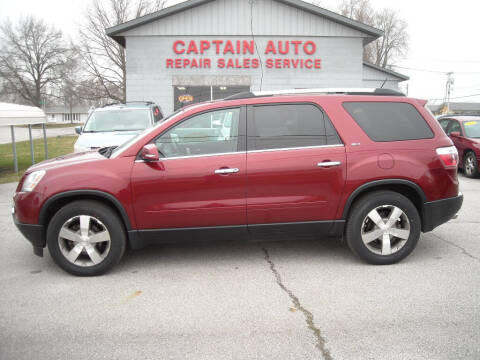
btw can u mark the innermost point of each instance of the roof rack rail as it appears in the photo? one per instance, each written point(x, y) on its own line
point(241, 95)
point(130, 102)
point(344, 91)
point(140, 102)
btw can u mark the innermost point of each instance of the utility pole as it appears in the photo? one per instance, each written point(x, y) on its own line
point(448, 90)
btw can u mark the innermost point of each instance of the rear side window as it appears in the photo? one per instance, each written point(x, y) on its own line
point(283, 126)
point(389, 121)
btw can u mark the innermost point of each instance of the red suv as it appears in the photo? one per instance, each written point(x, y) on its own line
point(464, 130)
point(373, 167)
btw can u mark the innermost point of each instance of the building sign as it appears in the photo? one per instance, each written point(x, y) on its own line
point(240, 54)
point(185, 98)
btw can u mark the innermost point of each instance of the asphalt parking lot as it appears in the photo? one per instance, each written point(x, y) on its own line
point(289, 300)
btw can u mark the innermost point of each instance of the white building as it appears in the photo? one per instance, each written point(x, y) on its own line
point(207, 49)
point(60, 114)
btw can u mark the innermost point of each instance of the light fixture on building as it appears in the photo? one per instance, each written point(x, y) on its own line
point(223, 88)
point(181, 88)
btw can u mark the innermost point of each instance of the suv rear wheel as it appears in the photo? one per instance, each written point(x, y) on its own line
point(383, 227)
point(86, 238)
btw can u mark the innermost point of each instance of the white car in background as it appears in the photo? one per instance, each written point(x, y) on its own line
point(113, 125)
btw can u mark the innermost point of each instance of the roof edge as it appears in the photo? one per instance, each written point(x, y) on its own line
point(388, 71)
point(115, 31)
point(333, 16)
point(145, 19)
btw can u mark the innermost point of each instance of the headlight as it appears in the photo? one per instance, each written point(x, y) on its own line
point(32, 180)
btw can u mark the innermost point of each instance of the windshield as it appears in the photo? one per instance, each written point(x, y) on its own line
point(125, 145)
point(472, 129)
point(118, 120)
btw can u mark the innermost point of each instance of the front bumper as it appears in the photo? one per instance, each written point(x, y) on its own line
point(438, 212)
point(33, 233)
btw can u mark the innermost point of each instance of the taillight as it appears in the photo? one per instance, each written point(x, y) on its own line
point(448, 155)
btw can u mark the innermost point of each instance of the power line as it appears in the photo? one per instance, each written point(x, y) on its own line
point(421, 70)
point(436, 71)
point(458, 97)
point(255, 42)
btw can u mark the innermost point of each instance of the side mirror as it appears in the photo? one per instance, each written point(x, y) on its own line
point(150, 153)
point(455, 134)
point(78, 130)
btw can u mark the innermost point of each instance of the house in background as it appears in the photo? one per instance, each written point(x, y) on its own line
point(457, 108)
point(59, 114)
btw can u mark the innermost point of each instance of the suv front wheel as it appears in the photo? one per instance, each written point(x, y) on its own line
point(383, 227)
point(86, 238)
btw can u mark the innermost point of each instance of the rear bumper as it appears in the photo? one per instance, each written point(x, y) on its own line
point(33, 233)
point(438, 212)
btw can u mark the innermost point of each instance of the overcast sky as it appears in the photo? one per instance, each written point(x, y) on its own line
point(443, 38)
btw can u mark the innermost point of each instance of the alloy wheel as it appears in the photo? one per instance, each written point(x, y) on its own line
point(84, 241)
point(469, 165)
point(385, 230)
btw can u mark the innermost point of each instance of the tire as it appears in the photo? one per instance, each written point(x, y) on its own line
point(362, 224)
point(86, 238)
point(470, 165)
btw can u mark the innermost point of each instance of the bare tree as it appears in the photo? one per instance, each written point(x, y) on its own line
point(104, 59)
point(69, 88)
point(31, 59)
point(394, 44)
point(359, 10)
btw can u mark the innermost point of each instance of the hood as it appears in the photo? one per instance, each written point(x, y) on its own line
point(104, 139)
point(66, 160)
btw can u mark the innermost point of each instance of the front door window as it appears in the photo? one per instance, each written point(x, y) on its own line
point(213, 132)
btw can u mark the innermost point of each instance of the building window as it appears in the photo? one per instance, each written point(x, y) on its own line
point(71, 117)
point(186, 95)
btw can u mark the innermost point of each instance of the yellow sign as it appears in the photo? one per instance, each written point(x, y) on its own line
point(470, 123)
point(185, 98)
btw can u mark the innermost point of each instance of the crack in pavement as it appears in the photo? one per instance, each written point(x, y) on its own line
point(463, 222)
point(465, 252)
point(296, 302)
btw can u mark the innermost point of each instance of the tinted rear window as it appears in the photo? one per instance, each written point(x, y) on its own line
point(384, 121)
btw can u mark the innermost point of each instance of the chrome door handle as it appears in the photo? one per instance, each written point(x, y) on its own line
point(226, 171)
point(329, 164)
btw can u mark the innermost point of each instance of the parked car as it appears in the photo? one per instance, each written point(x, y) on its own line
point(373, 167)
point(112, 125)
point(464, 130)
